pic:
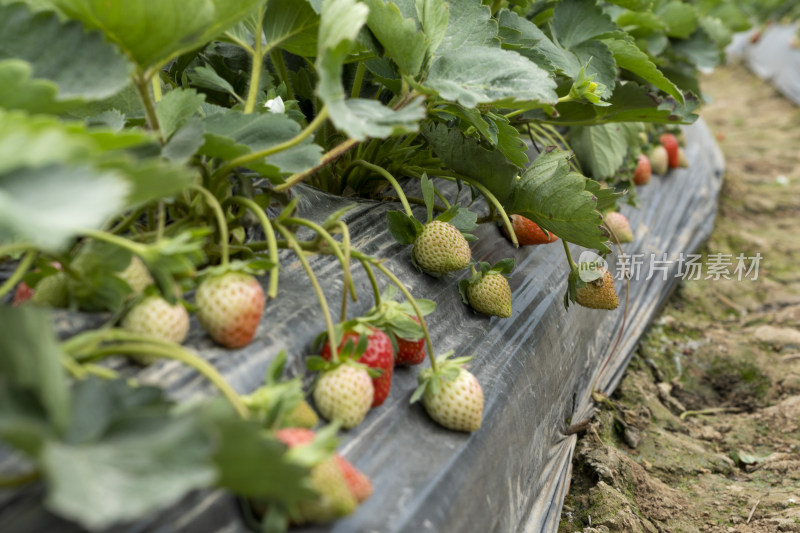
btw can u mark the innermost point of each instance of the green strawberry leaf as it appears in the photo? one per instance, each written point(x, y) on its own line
point(603, 148)
point(577, 21)
point(556, 199)
point(176, 108)
point(504, 266)
point(359, 118)
point(57, 63)
point(480, 75)
point(400, 37)
point(606, 196)
point(315, 363)
point(470, 24)
point(629, 57)
point(428, 194)
point(292, 26)
point(403, 227)
point(434, 17)
point(171, 27)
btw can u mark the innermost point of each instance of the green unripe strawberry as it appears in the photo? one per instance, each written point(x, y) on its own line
point(487, 291)
point(440, 248)
point(598, 294)
point(52, 291)
point(451, 395)
point(335, 498)
point(155, 317)
point(491, 295)
point(345, 394)
point(302, 416)
point(136, 275)
point(619, 226)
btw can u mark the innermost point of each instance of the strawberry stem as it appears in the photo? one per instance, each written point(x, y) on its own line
point(257, 64)
point(272, 243)
point(334, 245)
point(499, 207)
point(246, 159)
point(214, 204)
point(143, 345)
point(348, 281)
point(323, 303)
point(330, 156)
point(572, 264)
point(385, 173)
point(372, 281)
point(19, 272)
point(140, 81)
point(417, 310)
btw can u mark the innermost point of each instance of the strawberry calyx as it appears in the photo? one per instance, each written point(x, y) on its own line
point(502, 267)
point(395, 318)
point(348, 354)
point(447, 369)
point(273, 402)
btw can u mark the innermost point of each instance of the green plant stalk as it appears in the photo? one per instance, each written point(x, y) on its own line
point(385, 174)
point(372, 281)
point(572, 264)
point(133, 247)
point(413, 302)
point(19, 272)
point(280, 67)
point(256, 67)
point(140, 82)
point(156, 88)
point(272, 245)
point(9, 249)
point(224, 236)
point(319, 230)
point(126, 222)
point(543, 133)
point(327, 159)
point(564, 143)
point(359, 79)
point(497, 205)
point(415, 201)
point(148, 347)
point(441, 197)
point(323, 303)
point(243, 160)
point(348, 281)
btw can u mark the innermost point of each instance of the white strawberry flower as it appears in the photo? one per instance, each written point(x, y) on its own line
point(275, 105)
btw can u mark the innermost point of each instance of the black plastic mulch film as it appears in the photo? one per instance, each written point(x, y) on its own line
point(537, 370)
point(772, 57)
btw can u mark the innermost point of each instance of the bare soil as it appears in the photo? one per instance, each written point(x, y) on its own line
point(703, 434)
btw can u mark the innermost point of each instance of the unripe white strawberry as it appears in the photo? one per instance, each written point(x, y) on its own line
point(136, 275)
point(659, 160)
point(155, 317)
point(440, 248)
point(619, 225)
point(230, 306)
point(345, 394)
point(450, 394)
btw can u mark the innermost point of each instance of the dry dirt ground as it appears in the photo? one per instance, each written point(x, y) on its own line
point(703, 434)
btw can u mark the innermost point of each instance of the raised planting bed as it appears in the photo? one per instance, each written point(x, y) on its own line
point(772, 57)
point(538, 370)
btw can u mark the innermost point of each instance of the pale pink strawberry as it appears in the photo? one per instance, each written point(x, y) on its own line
point(230, 307)
point(136, 275)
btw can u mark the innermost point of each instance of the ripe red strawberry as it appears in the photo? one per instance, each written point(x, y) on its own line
point(22, 294)
point(155, 317)
point(659, 160)
point(641, 176)
point(528, 232)
point(440, 248)
point(359, 484)
point(378, 354)
point(671, 145)
point(410, 352)
point(335, 497)
point(619, 226)
point(345, 394)
point(451, 395)
point(230, 306)
point(598, 294)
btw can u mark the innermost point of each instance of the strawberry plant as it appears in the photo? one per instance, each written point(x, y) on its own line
point(153, 151)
